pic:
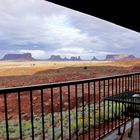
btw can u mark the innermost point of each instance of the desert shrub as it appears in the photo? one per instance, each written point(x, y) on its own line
point(85, 67)
point(105, 114)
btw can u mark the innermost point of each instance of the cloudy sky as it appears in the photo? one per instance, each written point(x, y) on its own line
point(43, 29)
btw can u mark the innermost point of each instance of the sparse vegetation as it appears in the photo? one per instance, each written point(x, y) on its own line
point(26, 125)
point(85, 67)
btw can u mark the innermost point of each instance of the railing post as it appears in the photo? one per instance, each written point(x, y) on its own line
point(89, 111)
point(6, 115)
point(42, 110)
point(32, 116)
point(69, 110)
point(19, 110)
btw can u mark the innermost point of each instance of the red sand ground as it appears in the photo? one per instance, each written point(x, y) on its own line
point(50, 76)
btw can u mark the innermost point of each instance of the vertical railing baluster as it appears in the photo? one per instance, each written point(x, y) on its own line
point(83, 112)
point(61, 109)
point(128, 85)
point(116, 104)
point(32, 117)
point(99, 84)
point(120, 88)
point(138, 82)
point(52, 101)
point(112, 102)
point(104, 107)
point(6, 116)
point(123, 85)
point(69, 112)
point(94, 110)
point(42, 110)
point(19, 111)
point(76, 112)
point(108, 106)
point(131, 83)
point(120, 84)
point(133, 106)
point(123, 90)
point(135, 83)
point(89, 111)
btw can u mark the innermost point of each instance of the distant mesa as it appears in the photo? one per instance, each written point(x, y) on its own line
point(55, 58)
point(75, 58)
point(28, 57)
point(119, 57)
point(94, 59)
point(58, 58)
point(19, 57)
point(65, 59)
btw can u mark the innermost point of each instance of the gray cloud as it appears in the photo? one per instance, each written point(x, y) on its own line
point(43, 28)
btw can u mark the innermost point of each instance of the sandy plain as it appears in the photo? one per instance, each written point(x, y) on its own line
point(12, 68)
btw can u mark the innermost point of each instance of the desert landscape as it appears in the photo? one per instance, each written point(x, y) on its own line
point(25, 73)
point(20, 73)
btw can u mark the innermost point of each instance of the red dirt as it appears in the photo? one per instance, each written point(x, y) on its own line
point(50, 76)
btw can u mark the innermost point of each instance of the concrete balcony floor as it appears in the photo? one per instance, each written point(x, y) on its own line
point(134, 136)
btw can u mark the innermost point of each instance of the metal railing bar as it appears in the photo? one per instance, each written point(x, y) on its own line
point(138, 82)
point(83, 112)
point(52, 101)
point(42, 110)
point(61, 113)
point(104, 107)
point(6, 116)
point(19, 111)
point(76, 112)
point(89, 111)
point(99, 88)
point(108, 104)
point(45, 86)
point(94, 110)
point(69, 112)
point(112, 101)
point(32, 115)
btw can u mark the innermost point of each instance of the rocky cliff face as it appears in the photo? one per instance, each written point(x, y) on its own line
point(58, 58)
point(19, 57)
point(55, 58)
point(75, 58)
point(117, 57)
point(94, 59)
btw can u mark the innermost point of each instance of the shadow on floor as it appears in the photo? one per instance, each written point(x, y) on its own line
point(135, 134)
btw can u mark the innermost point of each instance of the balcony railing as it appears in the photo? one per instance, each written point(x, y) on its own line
point(65, 110)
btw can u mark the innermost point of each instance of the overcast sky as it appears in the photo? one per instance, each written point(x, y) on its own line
point(43, 29)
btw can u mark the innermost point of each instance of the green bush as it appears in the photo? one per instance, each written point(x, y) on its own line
point(105, 114)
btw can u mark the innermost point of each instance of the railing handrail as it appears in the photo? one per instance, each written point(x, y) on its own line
point(59, 84)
